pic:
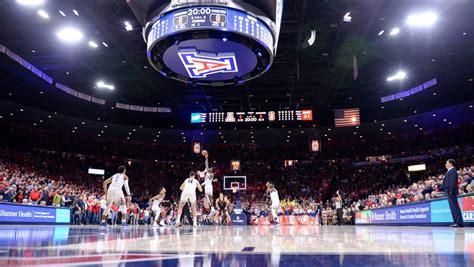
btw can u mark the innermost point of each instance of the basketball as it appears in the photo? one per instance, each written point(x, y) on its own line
point(204, 153)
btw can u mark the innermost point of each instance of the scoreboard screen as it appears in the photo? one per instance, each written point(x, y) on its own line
point(252, 116)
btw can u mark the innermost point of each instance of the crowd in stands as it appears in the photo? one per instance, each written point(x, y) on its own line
point(49, 170)
point(422, 190)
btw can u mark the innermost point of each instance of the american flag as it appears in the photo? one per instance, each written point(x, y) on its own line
point(347, 117)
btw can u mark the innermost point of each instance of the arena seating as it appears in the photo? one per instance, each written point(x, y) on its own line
point(32, 175)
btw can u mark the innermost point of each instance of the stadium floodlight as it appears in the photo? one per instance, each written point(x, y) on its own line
point(425, 19)
point(400, 75)
point(43, 14)
point(395, 31)
point(128, 26)
point(70, 35)
point(103, 85)
point(30, 2)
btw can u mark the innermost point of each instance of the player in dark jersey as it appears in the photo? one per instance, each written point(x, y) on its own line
point(222, 207)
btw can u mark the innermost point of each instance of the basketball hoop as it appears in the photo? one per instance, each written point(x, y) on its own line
point(234, 187)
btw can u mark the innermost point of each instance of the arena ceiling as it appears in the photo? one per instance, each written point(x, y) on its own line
point(318, 77)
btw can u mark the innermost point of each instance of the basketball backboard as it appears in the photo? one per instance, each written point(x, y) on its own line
point(229, 181)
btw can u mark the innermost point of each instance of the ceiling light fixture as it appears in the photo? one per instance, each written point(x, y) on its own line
point(70, 35)
point(103, 85)
point(105, 44)
point(93, 44)
point(30, 2)
point(381, 32)
point(395, 31)
point(62, 13)
point(43, 14)
point(400, 75)
point(347, 17)
point(312, 38)
point(75, 12)
point(128, 26)
point(422, 19)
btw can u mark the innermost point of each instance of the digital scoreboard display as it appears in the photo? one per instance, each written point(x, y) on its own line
point(210, 17)
point(252, 116)
point(211, 42)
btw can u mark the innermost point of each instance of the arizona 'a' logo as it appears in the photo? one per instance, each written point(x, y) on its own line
point(200, 64)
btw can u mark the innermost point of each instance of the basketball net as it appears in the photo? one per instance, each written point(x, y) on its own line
point(234, 186)
point(234, 189)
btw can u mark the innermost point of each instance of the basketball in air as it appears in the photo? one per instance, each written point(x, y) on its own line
point(204, 153)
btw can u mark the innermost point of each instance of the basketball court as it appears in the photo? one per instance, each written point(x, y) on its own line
point(236, 246)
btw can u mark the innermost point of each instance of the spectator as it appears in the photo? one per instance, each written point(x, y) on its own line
point(20, 196)
point(77, 211)
point(347, 216)
point(66, 200)
point(10, 194)
point(95, 212)
point(45, 195)
point(338, 206)
point(103, 205)
point(89, 214)
point(114, 214)
point(57, 199)
point(35, 195)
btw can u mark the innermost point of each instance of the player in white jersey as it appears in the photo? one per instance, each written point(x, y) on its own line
point(188, 188)
point(208, 188)
point(208, 176)
point(155, 207)
point(275, 206)
point(115, 195)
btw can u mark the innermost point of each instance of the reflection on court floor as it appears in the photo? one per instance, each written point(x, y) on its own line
point(236, 246)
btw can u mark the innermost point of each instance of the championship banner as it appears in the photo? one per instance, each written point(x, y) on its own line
point(197, 147)
point(18, 213)
point(315, 145)
point(235, 165)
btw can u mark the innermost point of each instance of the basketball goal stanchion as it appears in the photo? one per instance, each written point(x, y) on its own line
point(238, 216)
point(235, 190)
point(235, 184)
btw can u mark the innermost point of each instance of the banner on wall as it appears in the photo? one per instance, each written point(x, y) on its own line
point(17, 213)
point(435, 211)
point(197, 147)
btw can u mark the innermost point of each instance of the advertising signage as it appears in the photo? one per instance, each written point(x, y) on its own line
point(435, 211)
point(17, 213)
